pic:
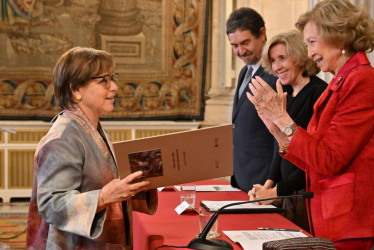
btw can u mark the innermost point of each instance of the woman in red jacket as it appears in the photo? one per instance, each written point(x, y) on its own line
point(337, 149)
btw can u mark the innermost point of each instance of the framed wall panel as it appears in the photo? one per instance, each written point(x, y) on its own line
point(2, 169)
point(20, 168)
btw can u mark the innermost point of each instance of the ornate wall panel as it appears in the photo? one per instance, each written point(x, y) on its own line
point(17, 150)
point(120, 134)
point(141, 133)
point(20, 168)
point(27, 136)
point(159, 48)
point(2, 168)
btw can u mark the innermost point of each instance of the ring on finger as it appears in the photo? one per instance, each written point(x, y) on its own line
point(132, 193)
point(260, 98)
point(256, 106)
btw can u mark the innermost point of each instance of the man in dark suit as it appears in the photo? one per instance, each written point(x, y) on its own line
point(253, 144)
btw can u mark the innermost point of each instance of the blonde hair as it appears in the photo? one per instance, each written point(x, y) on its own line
point(296, 50)
point(342, 24)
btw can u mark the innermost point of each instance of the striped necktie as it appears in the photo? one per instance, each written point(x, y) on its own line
point(246, 80)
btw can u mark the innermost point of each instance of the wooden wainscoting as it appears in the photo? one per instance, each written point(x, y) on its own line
point(142, 133)
point(20, 168)
point(2, 167)
point(27, 136)
point(17, 150)
point(120, 134)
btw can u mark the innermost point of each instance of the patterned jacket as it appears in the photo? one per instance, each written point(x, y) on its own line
point(71, 164)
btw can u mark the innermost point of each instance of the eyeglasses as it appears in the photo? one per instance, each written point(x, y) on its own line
point(106, 79)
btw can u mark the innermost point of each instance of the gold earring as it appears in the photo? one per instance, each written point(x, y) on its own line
point(78, 96)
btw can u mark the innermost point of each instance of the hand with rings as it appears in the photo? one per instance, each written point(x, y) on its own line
point(270, 103)
point(259, 99)
point(256, 107)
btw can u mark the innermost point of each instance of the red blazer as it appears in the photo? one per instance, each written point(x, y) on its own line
point(337, 154)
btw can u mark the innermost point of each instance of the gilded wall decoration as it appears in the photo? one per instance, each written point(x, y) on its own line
point(158, 45)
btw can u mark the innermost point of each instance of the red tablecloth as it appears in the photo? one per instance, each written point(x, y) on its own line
point(166, 227)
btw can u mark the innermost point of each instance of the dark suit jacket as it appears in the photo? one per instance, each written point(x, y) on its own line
point(253, 144)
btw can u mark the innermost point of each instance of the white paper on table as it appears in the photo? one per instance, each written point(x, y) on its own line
point(213, 188)
point(182, 207)
point(216, 188)
point(253, 239)
point(168, 188)
point(215, 205)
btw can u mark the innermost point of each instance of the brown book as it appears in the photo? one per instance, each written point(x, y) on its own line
point(177, 158)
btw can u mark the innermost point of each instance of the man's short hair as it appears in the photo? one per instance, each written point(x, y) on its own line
point(245, 19)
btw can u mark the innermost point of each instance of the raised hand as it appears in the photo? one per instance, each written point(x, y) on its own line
point(268, 102)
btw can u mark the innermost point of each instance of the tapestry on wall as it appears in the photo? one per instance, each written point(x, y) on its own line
point(158, 45)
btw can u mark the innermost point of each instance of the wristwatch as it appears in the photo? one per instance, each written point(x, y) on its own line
point(290, 130)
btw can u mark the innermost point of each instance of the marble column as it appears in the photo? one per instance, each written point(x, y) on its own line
point(218, 107)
